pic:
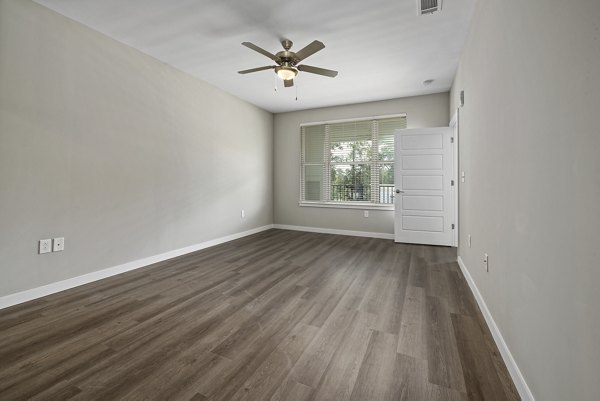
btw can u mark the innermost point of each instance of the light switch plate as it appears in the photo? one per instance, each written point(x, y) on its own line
point(366, 213)
point(58, 244)
point(45, 246)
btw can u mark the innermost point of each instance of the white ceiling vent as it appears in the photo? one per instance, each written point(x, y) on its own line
point(428, 6)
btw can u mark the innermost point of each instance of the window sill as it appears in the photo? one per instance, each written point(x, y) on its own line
point(347, 205)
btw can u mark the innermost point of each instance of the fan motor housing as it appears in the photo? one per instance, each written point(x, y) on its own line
point(286, 56)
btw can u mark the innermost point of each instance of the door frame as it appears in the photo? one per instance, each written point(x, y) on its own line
point(454, 124)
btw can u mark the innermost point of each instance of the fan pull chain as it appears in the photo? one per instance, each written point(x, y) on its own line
point(276, 82)
point(296, 89)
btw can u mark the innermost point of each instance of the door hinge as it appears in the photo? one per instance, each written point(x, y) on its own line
point(452, 183)
point(451, 139)
point(453, 226)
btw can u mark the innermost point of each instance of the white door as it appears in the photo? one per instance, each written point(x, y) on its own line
point(424, 182)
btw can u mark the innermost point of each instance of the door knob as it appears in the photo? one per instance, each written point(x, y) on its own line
point(399, 191)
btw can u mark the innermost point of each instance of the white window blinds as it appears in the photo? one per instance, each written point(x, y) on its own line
point(350, 161)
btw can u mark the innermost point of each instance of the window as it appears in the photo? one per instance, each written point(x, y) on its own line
point(350, 162)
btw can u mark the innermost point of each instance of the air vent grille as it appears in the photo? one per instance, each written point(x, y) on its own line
point(429, 6)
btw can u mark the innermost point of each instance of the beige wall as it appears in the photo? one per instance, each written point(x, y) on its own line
point(119, 153)
point(422, 111)
point(529, 144)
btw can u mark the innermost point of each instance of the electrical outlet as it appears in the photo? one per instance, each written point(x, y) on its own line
point(469, 240)
point(243, 214)
point(462, 176)
point(58, 244)
point(45, 246)
point(486, 263)
point(366, 213)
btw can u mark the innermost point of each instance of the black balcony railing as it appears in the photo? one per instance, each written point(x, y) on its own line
point(351, 193)
point(361, 193)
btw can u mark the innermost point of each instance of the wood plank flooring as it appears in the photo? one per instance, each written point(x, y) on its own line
point(279, 315)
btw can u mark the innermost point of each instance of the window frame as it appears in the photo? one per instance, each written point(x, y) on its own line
point(327, 167)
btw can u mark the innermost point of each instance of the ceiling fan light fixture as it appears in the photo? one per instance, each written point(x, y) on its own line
point(286, 73)
point(287, 61)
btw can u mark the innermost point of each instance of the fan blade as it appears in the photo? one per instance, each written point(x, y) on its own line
point(309, 50)
point(261, 51)
point(317, 70)
point(268, 67)
point(288, 82)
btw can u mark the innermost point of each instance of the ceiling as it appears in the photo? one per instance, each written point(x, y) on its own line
point(381, 48)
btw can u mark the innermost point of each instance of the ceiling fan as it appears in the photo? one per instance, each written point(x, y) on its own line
point(287, 61)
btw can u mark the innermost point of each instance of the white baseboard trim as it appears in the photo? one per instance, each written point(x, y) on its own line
point(34, 293)
point(511, 364)
point(368, 234)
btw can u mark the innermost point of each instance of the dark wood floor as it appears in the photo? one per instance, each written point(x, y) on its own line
point(279, 315)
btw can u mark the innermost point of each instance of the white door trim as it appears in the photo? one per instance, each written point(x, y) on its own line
point(454, 123)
